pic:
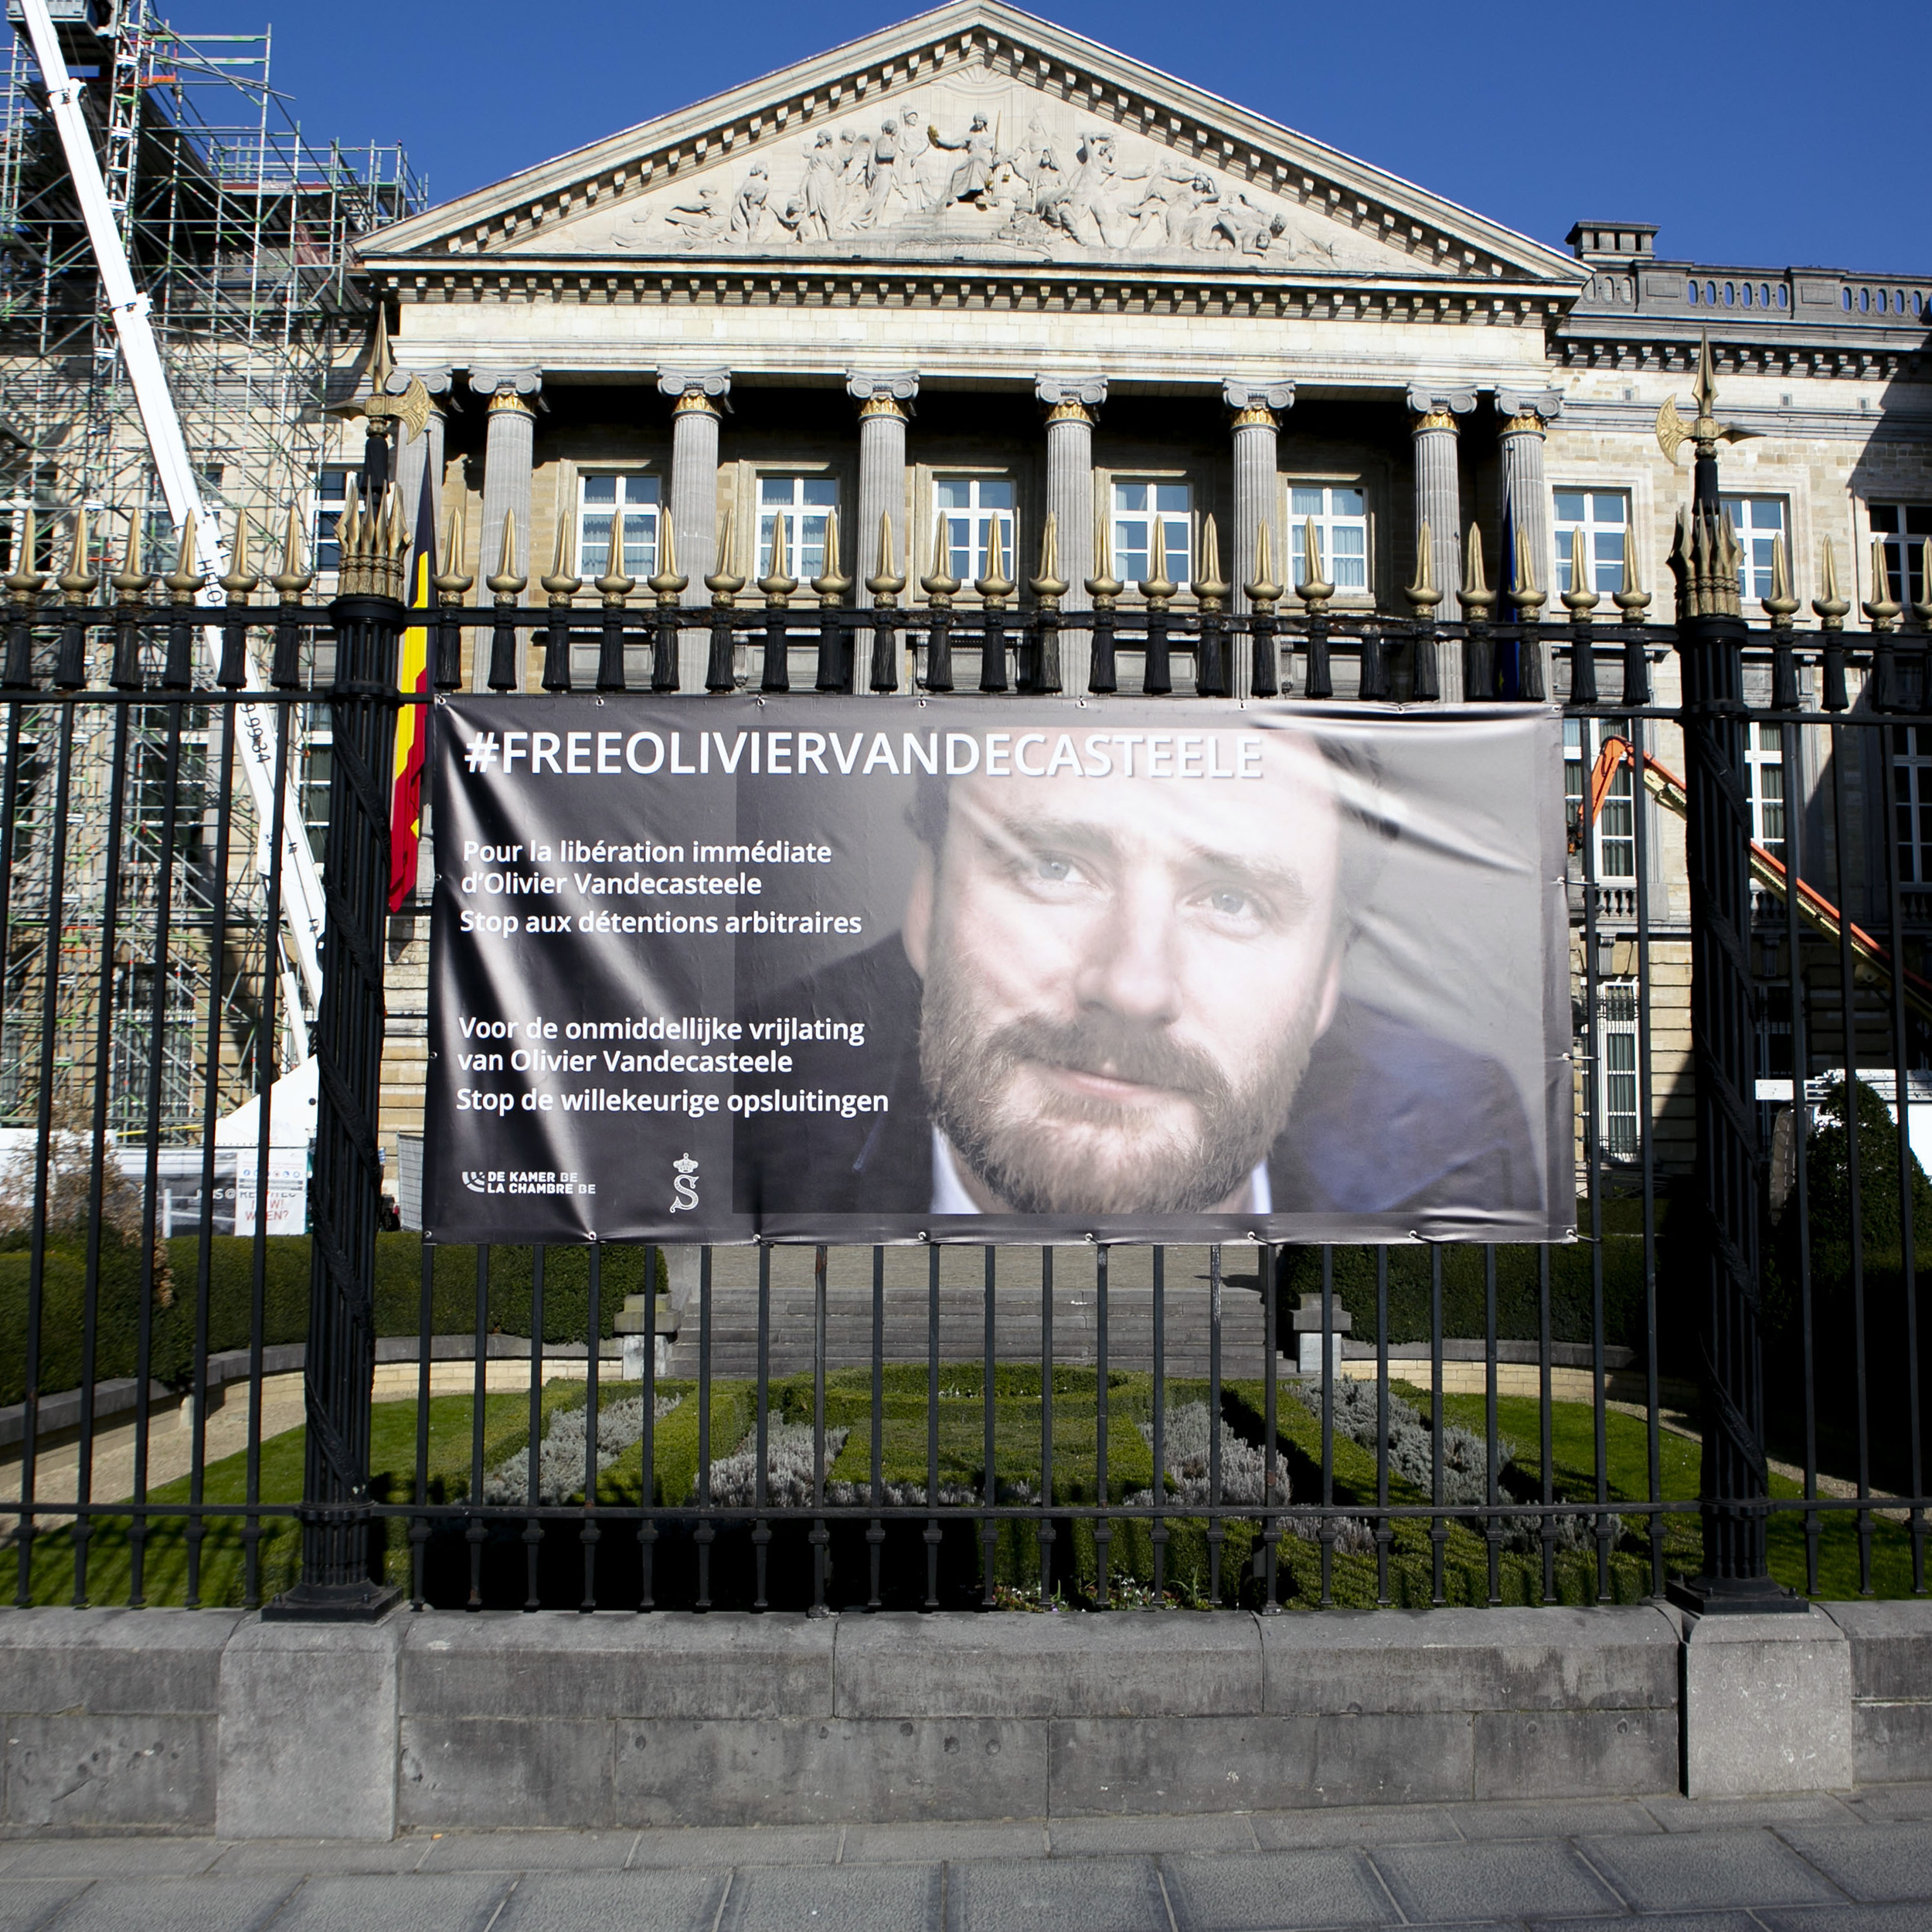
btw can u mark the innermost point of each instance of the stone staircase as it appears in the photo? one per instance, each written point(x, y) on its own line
point(1017, 1304)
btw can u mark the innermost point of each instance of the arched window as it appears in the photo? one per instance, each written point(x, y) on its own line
point(1695, 292)
point(1730, 294)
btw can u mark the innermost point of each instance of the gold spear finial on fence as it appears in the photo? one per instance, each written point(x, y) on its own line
point(1208, 586)
point(777, 584)
point(1780, 606)
point(1881, 607)
point(1312, 590)
point(995, 587)
point(562, 583)
point(1830, 609)
point(1422, 594)
point(886, 583)
point(615, 585)
point(292, 579)
point(1922, 604)
point(1581, 599)
point(25, 583)
point(1264, 591)
point(1523, 593)
point(724, 583)
point(831, 585)
point(1158, 588)
point(131, 583)
point(508, 585)
point(185, 578)
point(940, 585)
point(242, 578)
point(1475, 597)
point(668, 584)
point(1103, 586)
point(1633, 600)
point(450, 583)
point(1049, 586)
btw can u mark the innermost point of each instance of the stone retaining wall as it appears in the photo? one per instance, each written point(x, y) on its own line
point(214, 1721)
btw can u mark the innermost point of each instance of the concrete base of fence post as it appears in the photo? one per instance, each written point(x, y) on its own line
point(308, 1732)
point(1766, 1704)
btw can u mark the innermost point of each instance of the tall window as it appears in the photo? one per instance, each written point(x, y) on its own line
point(331, 492)
point(971, 505)
point(1759, 521)
point(1615, 828)
point(1764, 762)
point(1139, 508)
point(1340, 520)
point(804, 502)
point(1904, 528)
point(1618, 1122)
point(1912, 799)
point(1599, 520)
point(598, 497)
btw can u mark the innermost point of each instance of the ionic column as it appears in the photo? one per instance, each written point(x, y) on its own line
point(1439, 502)
point(1258, 409)
point(882, 401)
point(1525, 412)
point(701, 401)
point(1070, 402)
point(419, 453)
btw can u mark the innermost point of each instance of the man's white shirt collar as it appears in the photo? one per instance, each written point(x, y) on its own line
point(950, 1196)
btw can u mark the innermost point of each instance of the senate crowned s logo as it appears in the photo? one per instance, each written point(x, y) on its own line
point(686, 1185)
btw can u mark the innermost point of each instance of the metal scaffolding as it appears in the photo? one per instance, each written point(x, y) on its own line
point(243, 234)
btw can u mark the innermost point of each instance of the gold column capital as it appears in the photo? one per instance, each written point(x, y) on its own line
point(1432, 419)
point(694, 402)
point(1525, 423)
point(1069, 409)
point(1256, 417)
point(507, 403)
point(882, 406)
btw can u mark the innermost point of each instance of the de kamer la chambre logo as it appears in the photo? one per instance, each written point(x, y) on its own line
point(499, 1180)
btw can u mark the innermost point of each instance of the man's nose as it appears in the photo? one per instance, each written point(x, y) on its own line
point(1131, 965)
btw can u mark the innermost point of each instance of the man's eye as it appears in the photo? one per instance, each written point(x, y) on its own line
point(1230, 903)
point(1052, 871)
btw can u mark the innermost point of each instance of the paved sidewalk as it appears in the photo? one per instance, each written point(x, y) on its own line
point(1794, 1864)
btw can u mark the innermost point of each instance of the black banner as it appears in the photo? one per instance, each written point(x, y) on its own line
point(845, 970)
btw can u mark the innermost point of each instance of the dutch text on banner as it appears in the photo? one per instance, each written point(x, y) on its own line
point(1023, 970)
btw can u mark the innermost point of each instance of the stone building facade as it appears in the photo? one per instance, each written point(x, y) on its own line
point(974, 268)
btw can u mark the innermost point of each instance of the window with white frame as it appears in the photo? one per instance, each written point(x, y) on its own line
point(1764, 773)
point(1340, 515)
point(1903, 529)
point(970, 506)
point(804, 502)
point(600, 496)
point(1912, 801)
point(1759, 521)
point(331, 493)
point(1614, 827)
point(1140, 510)
point(1619, 1123)
point(1600, 521)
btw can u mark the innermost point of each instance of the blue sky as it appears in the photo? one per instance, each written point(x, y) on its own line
point(1536, 114)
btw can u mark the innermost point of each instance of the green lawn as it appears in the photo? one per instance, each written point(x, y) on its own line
point(1017, 1422)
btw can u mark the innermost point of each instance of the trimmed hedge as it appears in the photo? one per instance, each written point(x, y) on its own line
point(1518, 1286)
point(507, 1302)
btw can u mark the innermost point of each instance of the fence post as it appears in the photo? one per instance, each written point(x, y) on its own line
point(346, 1194)
point(1711, 635)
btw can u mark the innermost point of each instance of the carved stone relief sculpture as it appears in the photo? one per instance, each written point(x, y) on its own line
point(944, 179)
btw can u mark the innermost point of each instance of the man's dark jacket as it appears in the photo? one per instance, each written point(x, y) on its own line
point(1388, 1118)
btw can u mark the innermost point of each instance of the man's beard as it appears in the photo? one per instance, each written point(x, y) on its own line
point(1081, 1153)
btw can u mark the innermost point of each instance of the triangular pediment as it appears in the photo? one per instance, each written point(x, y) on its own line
point(979, 134)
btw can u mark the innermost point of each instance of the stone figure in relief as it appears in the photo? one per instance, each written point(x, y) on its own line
point(809, 213)
point(974, 174)
point(1171, 206)
point(748, 209)
point(699, 218)
point(882, 176)
point(1249, 229)
point(923, 169)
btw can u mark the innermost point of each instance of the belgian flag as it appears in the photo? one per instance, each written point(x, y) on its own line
point(412, 720)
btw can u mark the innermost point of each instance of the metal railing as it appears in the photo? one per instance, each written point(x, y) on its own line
point(942, 1428)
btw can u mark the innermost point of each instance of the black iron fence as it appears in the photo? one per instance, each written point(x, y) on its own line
point(1722, 1378)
